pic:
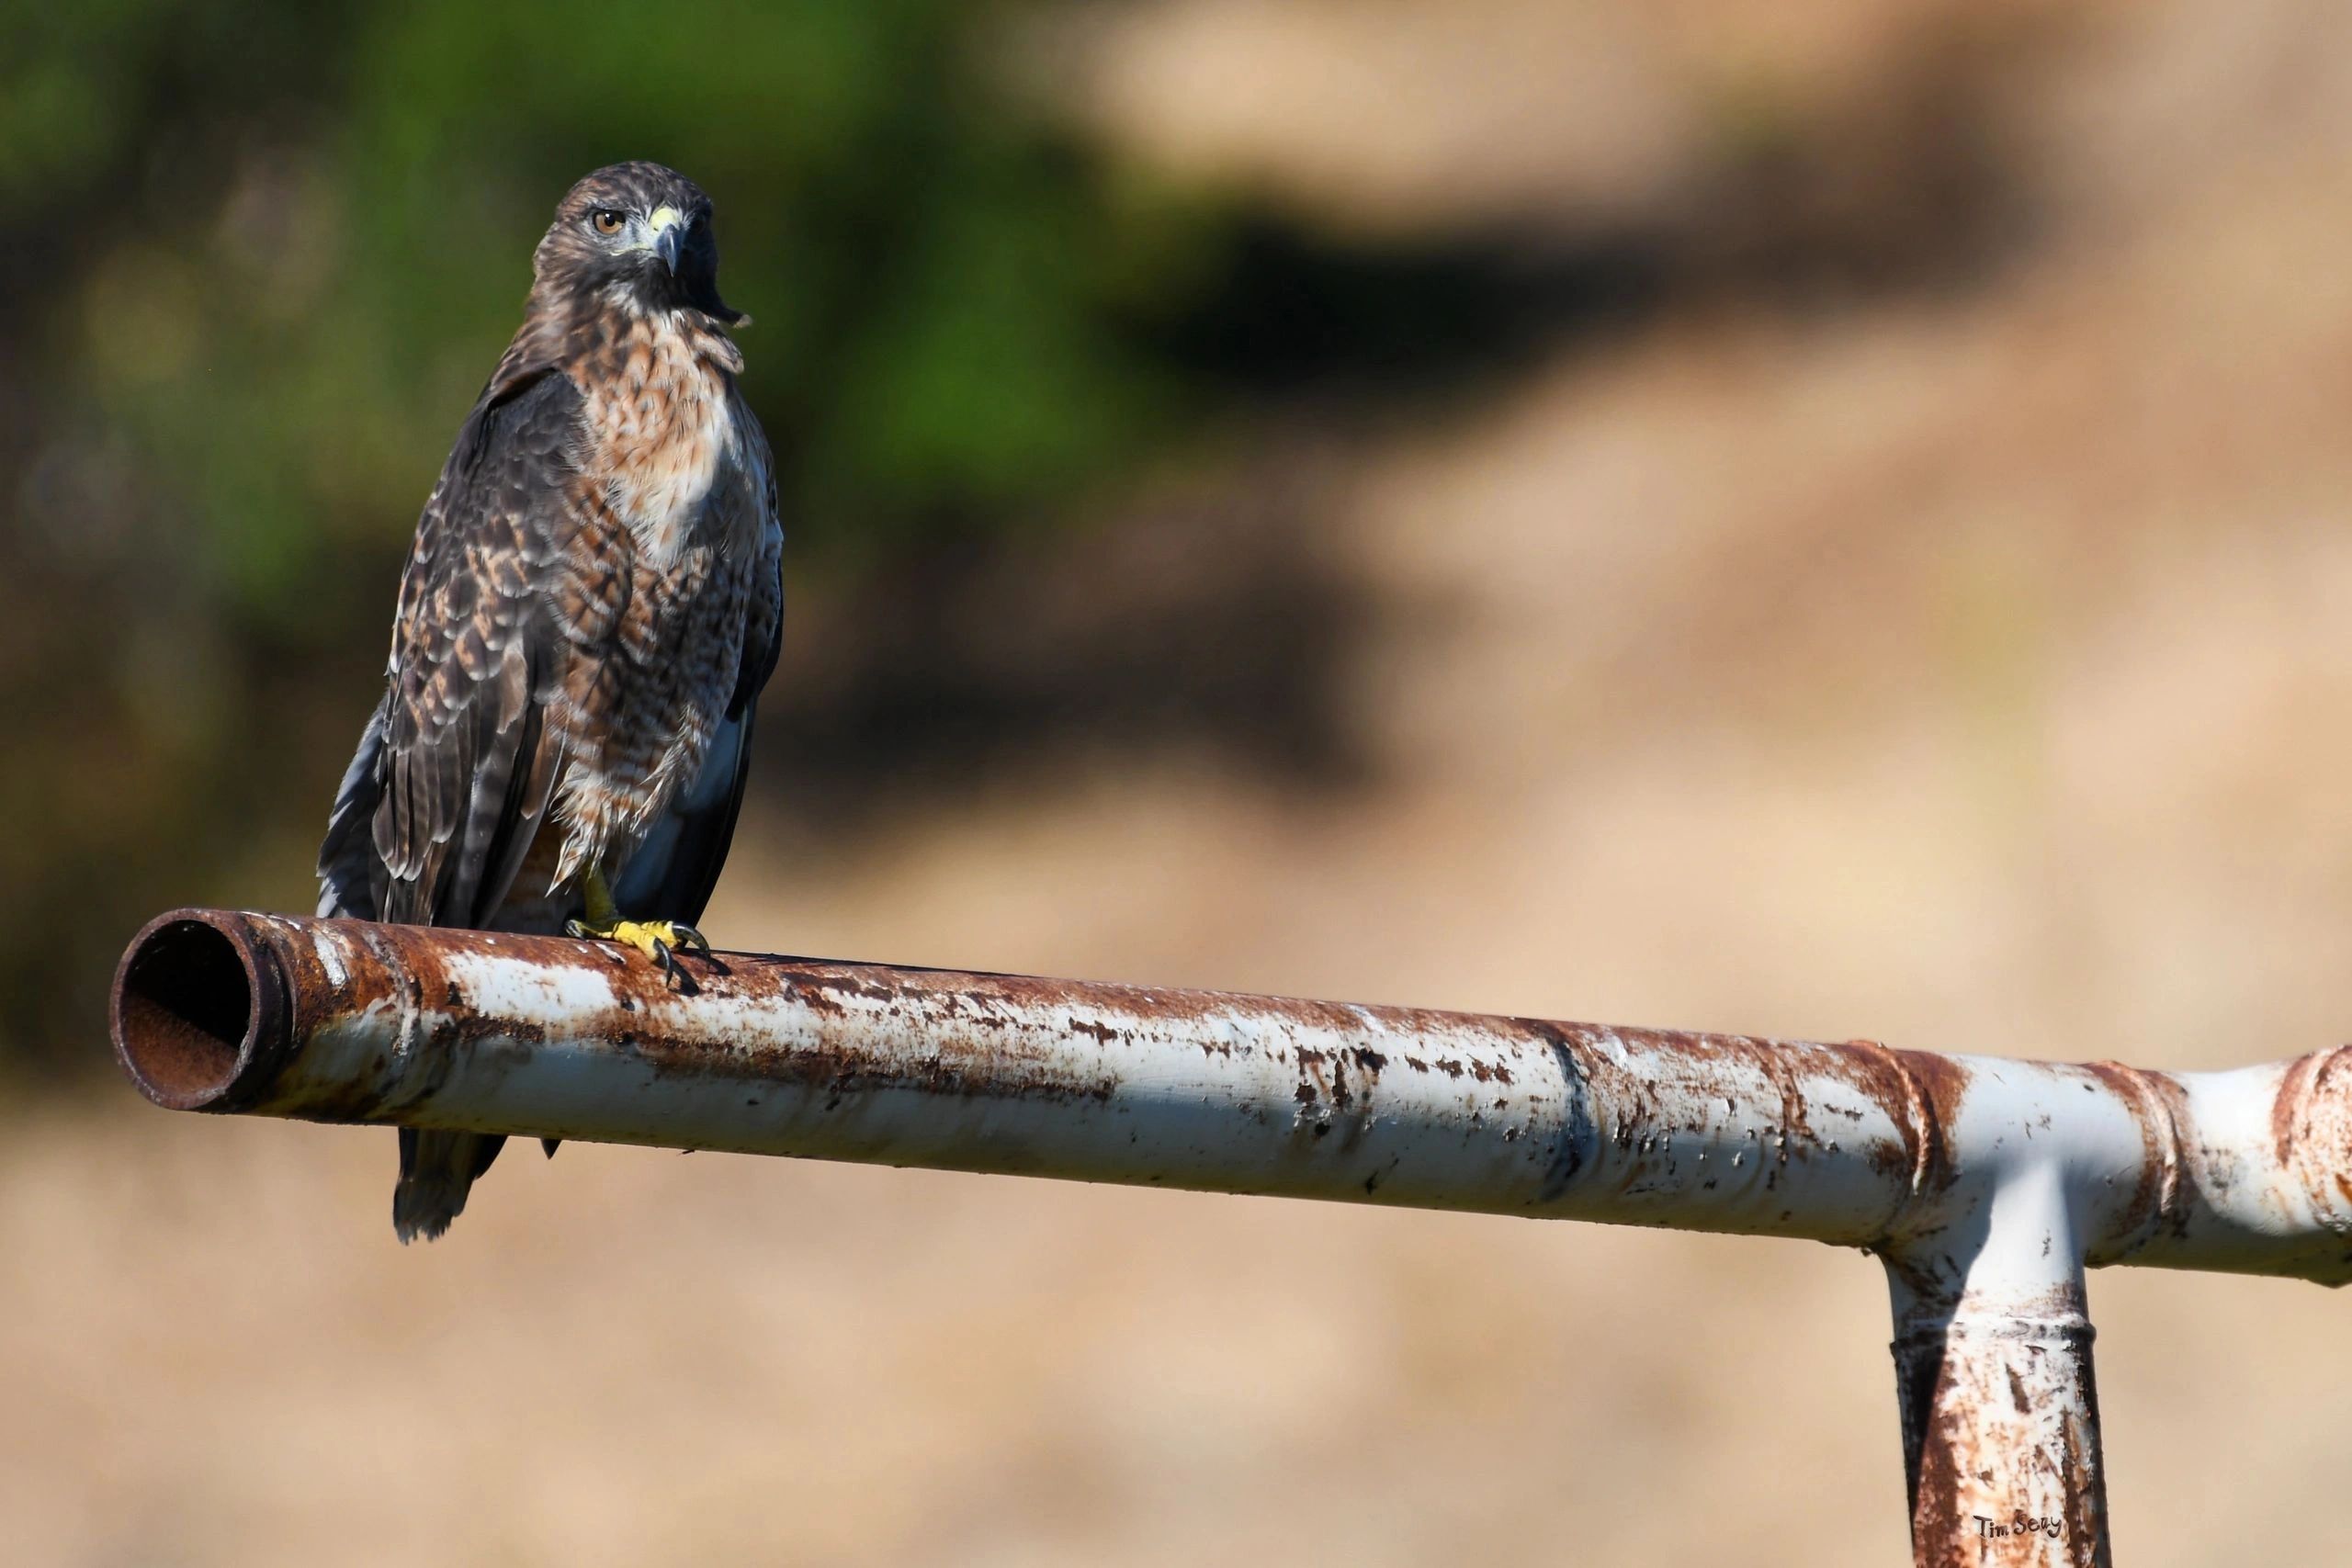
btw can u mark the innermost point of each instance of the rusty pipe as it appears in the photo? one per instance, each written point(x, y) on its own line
point(1853, 1143)
point(343, 1022)
point(1985, 1185)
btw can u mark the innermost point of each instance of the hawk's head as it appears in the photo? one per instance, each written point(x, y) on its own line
point(635, 234)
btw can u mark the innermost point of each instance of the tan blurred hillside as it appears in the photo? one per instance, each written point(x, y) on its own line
point(1953, 651)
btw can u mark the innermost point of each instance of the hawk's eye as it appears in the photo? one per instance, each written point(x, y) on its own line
point(606, 220)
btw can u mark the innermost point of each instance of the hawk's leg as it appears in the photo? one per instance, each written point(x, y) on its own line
point(661, 941)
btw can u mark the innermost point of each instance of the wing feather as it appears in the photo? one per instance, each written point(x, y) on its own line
point(464, 763)
point(350, 872)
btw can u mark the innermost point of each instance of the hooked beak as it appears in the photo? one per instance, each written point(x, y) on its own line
point(669, 237)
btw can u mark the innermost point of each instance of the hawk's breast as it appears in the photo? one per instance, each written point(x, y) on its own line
point(660, 415)
point(673, 495)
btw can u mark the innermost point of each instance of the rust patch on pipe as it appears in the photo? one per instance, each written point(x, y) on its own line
point(1920, 1093)
point(2158, 1107)
point(2310, 1123)
point(972, 1054)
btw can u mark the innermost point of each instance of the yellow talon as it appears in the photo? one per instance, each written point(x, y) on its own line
point(649, 937)
point(661, 941)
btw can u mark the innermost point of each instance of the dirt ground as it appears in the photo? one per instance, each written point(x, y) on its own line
point(1958, 663)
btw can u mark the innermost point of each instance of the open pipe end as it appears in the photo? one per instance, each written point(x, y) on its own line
point(191, 1008)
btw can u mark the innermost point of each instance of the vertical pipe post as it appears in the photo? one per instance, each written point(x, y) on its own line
point(1993, 1375)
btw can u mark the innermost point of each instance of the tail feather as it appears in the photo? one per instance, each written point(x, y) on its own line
point(437, 1170)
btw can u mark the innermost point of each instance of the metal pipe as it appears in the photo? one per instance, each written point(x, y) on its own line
point(1985, 1185)
point(1994, 1382)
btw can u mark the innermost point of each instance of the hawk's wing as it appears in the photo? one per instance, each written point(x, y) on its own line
point(673, 874)
point(457, 768)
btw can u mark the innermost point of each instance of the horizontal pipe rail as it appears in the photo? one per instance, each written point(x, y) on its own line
point(1985, 1185)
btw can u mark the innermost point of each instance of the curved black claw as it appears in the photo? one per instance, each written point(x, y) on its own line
point(577, 928)
point(678, 979)
point(690, 939)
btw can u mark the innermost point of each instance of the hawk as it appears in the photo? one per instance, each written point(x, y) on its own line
point(590, 609)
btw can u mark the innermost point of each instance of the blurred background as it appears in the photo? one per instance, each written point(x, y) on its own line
point(1822, 517)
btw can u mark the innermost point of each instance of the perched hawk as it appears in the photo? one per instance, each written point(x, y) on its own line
point(590, 609)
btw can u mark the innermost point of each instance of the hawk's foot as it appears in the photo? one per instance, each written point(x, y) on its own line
point(661, 941)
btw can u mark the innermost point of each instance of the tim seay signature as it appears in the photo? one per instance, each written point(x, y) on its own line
point(2021, 1524)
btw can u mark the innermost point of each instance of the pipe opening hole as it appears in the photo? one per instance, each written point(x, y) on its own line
point(186, 1007)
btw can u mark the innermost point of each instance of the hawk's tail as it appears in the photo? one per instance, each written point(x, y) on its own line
point(437, 1170)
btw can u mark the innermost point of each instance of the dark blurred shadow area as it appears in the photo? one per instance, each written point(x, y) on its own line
point(1054, 422)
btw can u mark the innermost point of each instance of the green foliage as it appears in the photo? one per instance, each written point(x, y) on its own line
point(293, 320)
point(268, 251)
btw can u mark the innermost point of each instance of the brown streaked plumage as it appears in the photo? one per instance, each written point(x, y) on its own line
point(591, 607)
